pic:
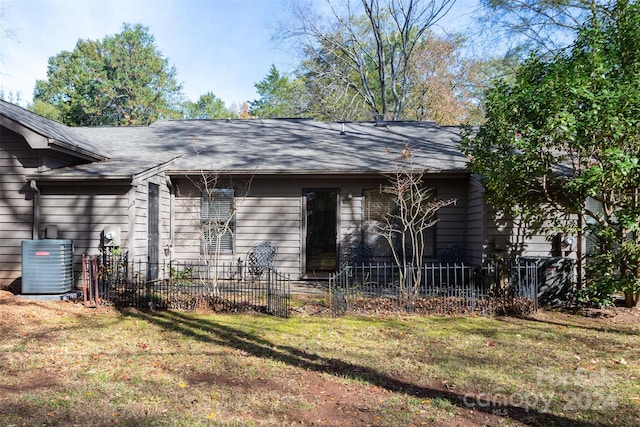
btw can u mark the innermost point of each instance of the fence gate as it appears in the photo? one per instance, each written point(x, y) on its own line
point(278, 294)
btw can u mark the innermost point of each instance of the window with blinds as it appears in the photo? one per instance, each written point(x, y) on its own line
point(217, 217)
point(377, 205)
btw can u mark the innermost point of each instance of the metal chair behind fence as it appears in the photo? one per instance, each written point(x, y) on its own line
point(261, 257)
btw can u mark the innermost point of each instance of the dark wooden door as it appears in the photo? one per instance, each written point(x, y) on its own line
point(321, 224)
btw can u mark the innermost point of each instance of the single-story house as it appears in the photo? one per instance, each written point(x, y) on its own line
point(310, 187)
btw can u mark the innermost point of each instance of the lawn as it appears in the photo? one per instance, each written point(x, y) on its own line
point(64, 364)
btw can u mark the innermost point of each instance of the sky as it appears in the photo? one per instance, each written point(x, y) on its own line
point(219, 46)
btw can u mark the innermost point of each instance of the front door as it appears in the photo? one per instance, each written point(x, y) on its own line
point(153, 230)
point(321, 220)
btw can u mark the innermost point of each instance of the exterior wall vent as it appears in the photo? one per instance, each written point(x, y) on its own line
point(47, 266)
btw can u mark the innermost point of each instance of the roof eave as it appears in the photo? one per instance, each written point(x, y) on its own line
point(37, 140)
point(301, 172)
point(68, 148)
point(93, 179)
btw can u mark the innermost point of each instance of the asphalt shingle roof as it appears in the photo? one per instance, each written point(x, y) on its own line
point(264, 146)
point(65, 136)
point(256, 146)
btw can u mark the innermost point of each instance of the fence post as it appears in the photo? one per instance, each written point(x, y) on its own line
point(534, 288)
point(95, 272)
point(409, 278)
point(269, 302)
point(330, 295)
point(467, 278)
point(346, 291)
point(85, 272)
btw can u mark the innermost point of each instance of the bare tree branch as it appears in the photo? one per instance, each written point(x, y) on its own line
point(404, 228)
point(367, 46)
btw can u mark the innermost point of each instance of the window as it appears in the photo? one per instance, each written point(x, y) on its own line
point(217, 220)
point(377, 205)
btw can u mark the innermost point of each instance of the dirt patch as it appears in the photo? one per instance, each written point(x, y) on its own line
point(337, 404)
point(21, 316)
point(42, 309)
point(605, 316)
point(309, 306)
point(621, 315)
point(333, 403)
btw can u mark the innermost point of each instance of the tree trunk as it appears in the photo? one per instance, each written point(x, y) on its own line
point(632, 299)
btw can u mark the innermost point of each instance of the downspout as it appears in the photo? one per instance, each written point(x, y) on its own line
point(35, 230)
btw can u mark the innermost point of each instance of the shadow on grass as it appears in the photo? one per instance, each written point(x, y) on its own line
point(613, 328)
point(210, 332)
point(17, 414)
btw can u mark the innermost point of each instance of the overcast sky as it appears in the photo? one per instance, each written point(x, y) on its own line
point(222, 46)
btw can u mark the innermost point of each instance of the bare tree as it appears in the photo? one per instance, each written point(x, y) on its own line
point(404, 227)
point(218, 210)
point(366, 47)
point(531, 25)
point(219, 197)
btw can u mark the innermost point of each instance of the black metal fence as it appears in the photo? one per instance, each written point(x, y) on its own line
point(436, 288)
point(232, 287)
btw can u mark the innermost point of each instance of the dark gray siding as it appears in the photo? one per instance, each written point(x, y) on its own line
point(268, 212)
point(16, 202)
point(272, 210)
point(82, 212)
point(138, 244)
point(451, 228)
point(508, 238)
point(166, 220)
point(476, 222)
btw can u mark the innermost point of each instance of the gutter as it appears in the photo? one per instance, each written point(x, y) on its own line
point(76, 149)
point(315, 173)
point(78, 173)
point(88, 180)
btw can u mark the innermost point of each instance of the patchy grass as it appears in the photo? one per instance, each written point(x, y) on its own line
point(63, 364)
